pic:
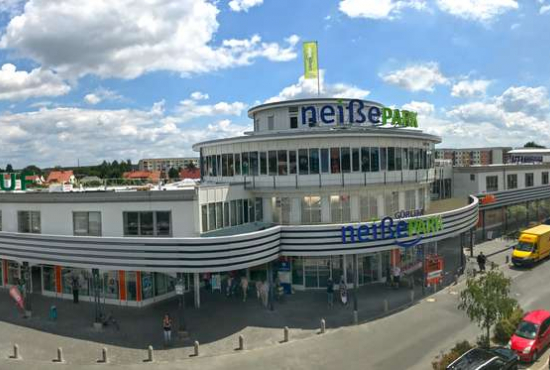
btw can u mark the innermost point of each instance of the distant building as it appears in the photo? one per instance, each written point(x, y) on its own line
point(151, 176)
point(187, 173)
point(61, 177)
point(87, 180)
point(165, 164)
point(473, 156)
point(529, 155)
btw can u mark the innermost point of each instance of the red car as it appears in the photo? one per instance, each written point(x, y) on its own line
point(532, 335)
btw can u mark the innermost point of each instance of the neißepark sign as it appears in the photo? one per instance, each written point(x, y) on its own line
point(8, 181)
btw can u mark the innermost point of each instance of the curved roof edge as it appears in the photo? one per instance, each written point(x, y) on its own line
point(284, 103)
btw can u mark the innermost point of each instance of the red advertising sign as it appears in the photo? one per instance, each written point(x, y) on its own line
point(433, 268)
point(17, 297)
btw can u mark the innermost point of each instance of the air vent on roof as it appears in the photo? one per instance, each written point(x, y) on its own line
point(293, 110)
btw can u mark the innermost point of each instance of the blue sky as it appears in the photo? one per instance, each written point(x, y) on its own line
point(92, 80)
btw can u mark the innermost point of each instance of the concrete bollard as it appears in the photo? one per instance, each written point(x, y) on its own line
point(355, 317)
point(507, 259)
point(456, 279)
point(59, 358)
point(16, 355)
point(241, 343)
point(104, 357)
point(324, 325)
point(286, 334)
point(150, 354)
point(386, 308)
point(435, 287)
point(412, 295)
point(196, 347)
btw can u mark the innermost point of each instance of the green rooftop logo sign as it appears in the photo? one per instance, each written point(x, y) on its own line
point(8, 181)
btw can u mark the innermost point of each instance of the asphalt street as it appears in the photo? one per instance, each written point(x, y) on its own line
point(406, 340)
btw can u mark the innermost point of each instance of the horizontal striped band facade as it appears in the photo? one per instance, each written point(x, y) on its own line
point(511, 197)
point(210, 254)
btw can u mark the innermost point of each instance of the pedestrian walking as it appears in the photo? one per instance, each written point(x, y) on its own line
point(481, 260)
point(229, 285)
point(167, 327)
point(330, 292)
point(343, 291)
point(396, 276)
point(76, 287)
point(265, 293)
point(244, 287)
point(259, 289)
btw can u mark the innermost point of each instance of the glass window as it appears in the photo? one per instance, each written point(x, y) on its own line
point(529, 180)
point(226, 214)
point(421, 199)
point(391, 203)
point(383, 159)
point(292, 162)
point(391, 159)
point(410, 200)
point(346, 160)
point(293, 122)
point(230, 167)
point(146, 223)
point(28, 222)
point(324, 160)
point(110, 284)
point(87, 223)
point(374, 159)
point(214, 166)
point(239, 212)
point(219, 215)
point(303, 163)
point(259, 209)
point(163, 223)
point(48, 274)
point(281, 210)
point(204, 218)
point(146, 285)
point(251, 210)
point(131, 285)
point(254, 163)
point(211, 216)
point(334, 160)
point(270, 123)
point(368, 208)
point(512, 181)
point(245, 211)
point(355, 160)
point(219, 161)
point(411, 159)
point(282, 162)
point(311, 209)
point(224, 164)
point(313, 161)
point(272, 162)
point(233, 212)
point(398, 162)
point(491, 183)
point(544, 182)
point(263, 163)
point(340, 210)
point(246, 164)
point(365, 159)
point(237, 164)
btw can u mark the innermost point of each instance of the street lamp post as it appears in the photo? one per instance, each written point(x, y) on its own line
point(355, 281)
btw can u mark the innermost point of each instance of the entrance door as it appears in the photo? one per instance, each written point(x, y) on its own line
point(36, 279)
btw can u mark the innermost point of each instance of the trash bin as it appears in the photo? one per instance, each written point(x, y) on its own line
point(53, 313)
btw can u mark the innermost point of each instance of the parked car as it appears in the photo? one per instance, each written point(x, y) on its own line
point(497, 358)
point(532, 335)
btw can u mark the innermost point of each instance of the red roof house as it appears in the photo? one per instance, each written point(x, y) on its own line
point(152, 176)
point(61, 177)
point(187, 173)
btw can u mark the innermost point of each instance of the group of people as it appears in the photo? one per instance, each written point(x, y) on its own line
point(343, 289)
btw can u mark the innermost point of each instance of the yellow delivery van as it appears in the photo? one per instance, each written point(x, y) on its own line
point(533, 245)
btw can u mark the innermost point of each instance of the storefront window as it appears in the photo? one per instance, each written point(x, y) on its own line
point(355, 165)
point(219, 215)
point(297, 271)
point(233, 212)
point(303, 165)
point(48, 276)
point(131, 285)
point(314, 161)
point(226, 214)
point(282, 162)
point(346, 160)
point(245, 211)
point(239, 212)
point(292, 162)
point(14, 273)
point(73, 277)
point(146, 285)
point(324, 160)
point(110, 284)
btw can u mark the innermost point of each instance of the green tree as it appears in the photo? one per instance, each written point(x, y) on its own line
point(9, 168)
point(32, 169)
point(445, 359)
point(486, 300)
point(507, 326)
point(191, 166)
point(173, 173)
point(532, 144)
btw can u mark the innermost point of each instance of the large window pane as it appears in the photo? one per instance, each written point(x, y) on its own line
point(282, 162)
point(346, 160)
point(204, 218)
point(365, 159)
point(263, 163)
point(146, 223)
point(226, 214)
point(313, 161)
point(233, 212)
point(374, 159)
point(292, 162)
point(383, 159)
point(259, 209)
point(224, 164)
point(219, 215)
point(311, 209)
point(398, 162)
point(254, 163)
point(212, 216)
point(245, 211)
point(230, 167)
point(246, 163)
point(303, 161)
point(272, 163)
point(131, 223)
point(355, 160)
point(391, 159)
point(324, 160)
point(237, 164)
point(163, 223)
point(334, 160)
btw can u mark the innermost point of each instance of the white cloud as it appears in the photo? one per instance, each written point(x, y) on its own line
point(197, 95)
point(470, 88)
point(477, 10)
point(378, 9)
point(93, 135)
point(243, 5)
point(418, 77)
point(544, 9)
point(422, 108)
point(307, 88)
point(70, 37)
point(100, 95)
point(21, 85)
point(529, 100)
point(189, 109)
point(515, 26)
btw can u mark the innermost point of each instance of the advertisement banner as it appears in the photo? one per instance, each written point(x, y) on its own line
point(17, 297)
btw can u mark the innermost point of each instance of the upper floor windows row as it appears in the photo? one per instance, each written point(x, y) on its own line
point(315, 161)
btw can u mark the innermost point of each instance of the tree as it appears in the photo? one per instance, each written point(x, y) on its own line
point(532, 144)
point(445, 359)
point(173, 173)
point(9, 168)
point(32, 169)
point(487, 300)
point(191, 166)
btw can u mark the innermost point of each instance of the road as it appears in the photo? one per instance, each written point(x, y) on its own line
point(406, 340)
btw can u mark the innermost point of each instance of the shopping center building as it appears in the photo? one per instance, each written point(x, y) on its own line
point(321, 188)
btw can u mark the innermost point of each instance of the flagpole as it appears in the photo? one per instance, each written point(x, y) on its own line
point(318, 74)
